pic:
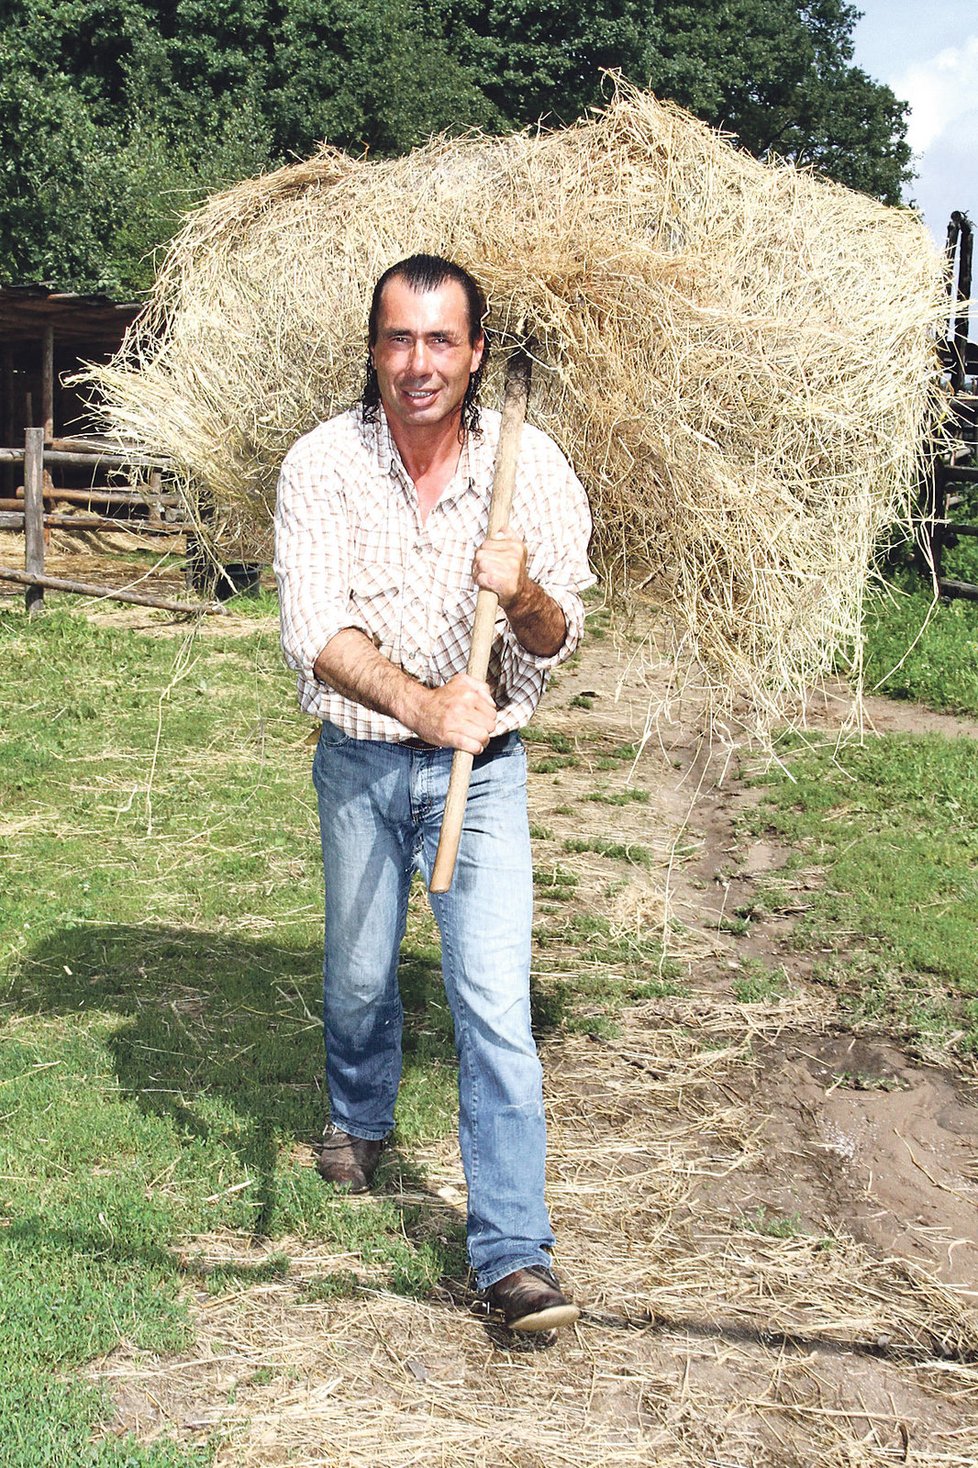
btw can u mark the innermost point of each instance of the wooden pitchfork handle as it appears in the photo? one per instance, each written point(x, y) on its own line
point(484, 622)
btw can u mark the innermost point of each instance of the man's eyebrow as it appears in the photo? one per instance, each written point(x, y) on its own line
point(434, 331)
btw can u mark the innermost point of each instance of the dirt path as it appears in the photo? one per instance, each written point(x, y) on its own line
point(769, 1220)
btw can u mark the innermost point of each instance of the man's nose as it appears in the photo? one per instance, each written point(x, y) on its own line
point(419, 356)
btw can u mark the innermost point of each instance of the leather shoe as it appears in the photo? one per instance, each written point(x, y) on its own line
point(349, 1162)
point(531, 1299)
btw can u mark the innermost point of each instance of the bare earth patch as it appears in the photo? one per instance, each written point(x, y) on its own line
point(769, 1220)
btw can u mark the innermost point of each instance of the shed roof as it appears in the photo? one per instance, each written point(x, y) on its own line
point(26, 310)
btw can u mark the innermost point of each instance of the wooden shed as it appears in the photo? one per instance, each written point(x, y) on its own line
point(45, 334)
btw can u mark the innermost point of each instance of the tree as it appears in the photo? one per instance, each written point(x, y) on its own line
point(116, 115)
point(777, 74)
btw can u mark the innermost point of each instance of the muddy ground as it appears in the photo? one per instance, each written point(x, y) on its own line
point(770, 1220)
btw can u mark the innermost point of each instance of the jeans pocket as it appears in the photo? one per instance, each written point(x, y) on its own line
point(331, 735)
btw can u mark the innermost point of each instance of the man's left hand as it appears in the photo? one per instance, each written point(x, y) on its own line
point(500, 566)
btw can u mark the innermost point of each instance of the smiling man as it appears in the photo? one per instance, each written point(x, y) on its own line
point(381, 549)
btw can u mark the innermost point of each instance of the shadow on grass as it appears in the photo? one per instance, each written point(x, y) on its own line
point(220, 1034)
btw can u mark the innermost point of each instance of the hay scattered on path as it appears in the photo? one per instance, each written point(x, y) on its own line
point(737, 358)
point(773, 1352)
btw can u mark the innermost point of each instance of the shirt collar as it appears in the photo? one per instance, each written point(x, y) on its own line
point(377, 437)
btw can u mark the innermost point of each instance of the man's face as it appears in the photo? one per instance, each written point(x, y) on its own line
point(422, 356)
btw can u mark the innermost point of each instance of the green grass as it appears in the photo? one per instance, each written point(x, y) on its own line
point(917, 651)
point(160, 1045)
point(773, 1225)
point(894, 827)
point(612, 968)
point(758, 984)
point(631, 795)
point(612, 759)
point(630, 851)
point(160, 1051)
point(549, 751)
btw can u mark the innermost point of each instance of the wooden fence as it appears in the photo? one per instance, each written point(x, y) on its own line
point(31, 515)
point(952, 489)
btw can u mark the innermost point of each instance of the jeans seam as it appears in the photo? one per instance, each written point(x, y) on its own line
point(449, 970)
point(541, 1259)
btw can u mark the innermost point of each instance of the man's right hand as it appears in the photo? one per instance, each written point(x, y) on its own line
point(458, 715)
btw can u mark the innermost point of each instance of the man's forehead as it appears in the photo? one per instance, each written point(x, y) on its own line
point(446, 298)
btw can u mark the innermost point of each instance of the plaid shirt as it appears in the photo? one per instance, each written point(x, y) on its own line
point(351, 551)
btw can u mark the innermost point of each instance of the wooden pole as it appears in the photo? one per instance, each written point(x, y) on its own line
point(965, 256)
point(12, 518)
point(7, 415)
point(135, 498)
point(34, 517)
point(47, 383)
point(483, 626)
point(86, 588)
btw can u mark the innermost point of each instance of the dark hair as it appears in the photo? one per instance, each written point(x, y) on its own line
point(427, 273)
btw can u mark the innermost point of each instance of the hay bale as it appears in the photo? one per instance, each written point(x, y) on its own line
point(737, 358)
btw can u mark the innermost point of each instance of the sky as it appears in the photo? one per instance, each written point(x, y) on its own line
point(927, 51)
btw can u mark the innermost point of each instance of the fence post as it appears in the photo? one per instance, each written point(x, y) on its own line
point(34, 515)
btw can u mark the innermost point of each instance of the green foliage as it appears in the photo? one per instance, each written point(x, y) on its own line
point(778, 74)
point(118, 115)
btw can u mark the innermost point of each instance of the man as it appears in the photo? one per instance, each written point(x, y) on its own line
point(381, 547)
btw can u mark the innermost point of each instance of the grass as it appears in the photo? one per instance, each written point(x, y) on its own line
point(916, 650)
point(160, 1050)
point(630, 851)
point(758, 984)
point(631, 795)
point(160, 1046)
point(612, 967)
point(773, 1225)
point(894, 827)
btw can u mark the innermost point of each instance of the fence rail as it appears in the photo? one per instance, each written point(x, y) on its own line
point(32, 517)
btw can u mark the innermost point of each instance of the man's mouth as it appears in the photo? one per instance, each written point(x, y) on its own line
point(419, 395)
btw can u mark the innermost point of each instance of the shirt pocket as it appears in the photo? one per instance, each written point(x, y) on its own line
point(451, 650)
point(376, 598)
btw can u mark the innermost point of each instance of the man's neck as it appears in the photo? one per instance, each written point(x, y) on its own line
point(430, 456)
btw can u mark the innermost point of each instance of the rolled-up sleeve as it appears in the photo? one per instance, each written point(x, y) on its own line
point(311, 561)
point(557, 527)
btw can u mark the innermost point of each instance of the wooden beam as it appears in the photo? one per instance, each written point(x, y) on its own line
point(963, 589)
point(86, 588)
point(12, 518)
point(34, 517)
point(112, 460)
point(103, 496)
point(47, 382)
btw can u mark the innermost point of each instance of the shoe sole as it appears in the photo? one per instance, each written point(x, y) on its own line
point(550, 1319)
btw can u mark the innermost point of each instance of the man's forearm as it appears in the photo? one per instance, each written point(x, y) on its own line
point(459, 714)
point(500, 566)
point(352, 665)
point(537, 620)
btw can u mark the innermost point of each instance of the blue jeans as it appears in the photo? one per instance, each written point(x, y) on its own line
point(380, 808)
